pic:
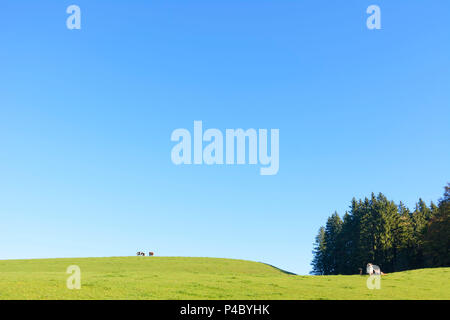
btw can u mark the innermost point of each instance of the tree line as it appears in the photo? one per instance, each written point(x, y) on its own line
point(389, 235)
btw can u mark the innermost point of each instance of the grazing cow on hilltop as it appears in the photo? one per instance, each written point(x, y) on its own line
point(151, 254)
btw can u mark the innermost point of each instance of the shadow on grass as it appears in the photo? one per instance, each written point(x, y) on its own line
point(284, 271)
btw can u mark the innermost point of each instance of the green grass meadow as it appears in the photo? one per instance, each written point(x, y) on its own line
point(203, 278)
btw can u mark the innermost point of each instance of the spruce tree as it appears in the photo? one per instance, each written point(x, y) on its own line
point(436, 245)
point(318, 253)
point(332, 250)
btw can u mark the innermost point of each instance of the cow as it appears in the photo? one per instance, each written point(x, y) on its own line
point(151, 254)
point(374, 269)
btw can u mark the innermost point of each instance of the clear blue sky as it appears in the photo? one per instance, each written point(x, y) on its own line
point(86, 117)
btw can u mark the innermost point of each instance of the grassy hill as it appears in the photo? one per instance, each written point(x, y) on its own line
point(203, 278)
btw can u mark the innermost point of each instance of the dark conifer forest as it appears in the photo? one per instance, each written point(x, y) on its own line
point(387, 234)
